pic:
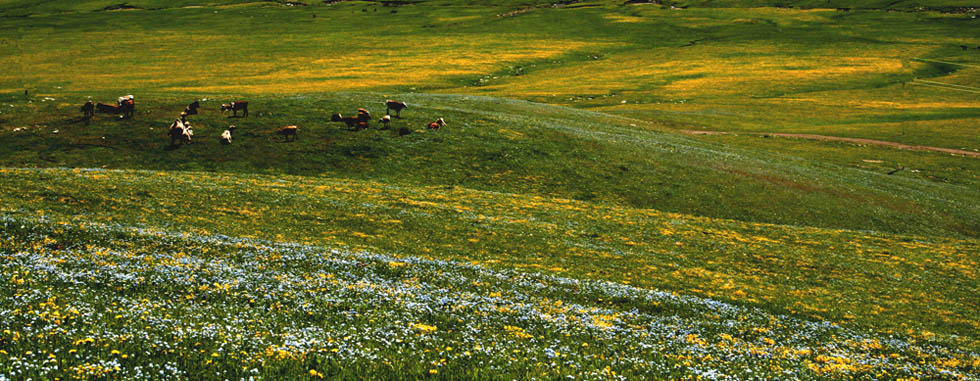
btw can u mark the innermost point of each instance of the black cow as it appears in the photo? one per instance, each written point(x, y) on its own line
point(288, 131)
point(127, 108)
point(88, 109)
point(191, 109)
point(395, 105)
point(234, 107)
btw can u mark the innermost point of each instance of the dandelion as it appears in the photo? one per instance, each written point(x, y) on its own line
point(424, 328)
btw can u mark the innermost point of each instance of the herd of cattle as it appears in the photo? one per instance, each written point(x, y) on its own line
point(125, 105)
point(181, 131)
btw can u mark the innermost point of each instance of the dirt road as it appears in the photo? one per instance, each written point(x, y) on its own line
point(843, 139)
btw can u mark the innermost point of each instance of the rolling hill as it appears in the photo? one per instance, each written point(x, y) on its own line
point(563, 223)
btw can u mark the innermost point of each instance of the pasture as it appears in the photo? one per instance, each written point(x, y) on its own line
point(472, 284)
point(562, 223)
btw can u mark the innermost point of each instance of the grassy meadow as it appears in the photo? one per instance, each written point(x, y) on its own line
point(824, 71)
point(562, 224)
point(458, 293)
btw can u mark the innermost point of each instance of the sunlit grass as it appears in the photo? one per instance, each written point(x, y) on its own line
point(909, 285)
point(137, 302)
point(731, 67)
point(372, 234)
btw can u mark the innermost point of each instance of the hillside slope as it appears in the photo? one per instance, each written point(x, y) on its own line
point(137, 302)
point(914, 285)
point(817, 71)
point(557, 226)
point(509, 146)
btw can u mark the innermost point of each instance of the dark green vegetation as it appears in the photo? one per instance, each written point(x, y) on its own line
point(562, 155)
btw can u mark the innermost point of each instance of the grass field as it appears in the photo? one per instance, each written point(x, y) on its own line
point(823, 70)
point(75, 249)
point(559, 225)
point(512, 146)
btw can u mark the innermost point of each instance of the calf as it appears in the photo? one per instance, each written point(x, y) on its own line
point(88, 109)
point(395, 105)
point(437, 124)
point(234, 107)
point(385, 121)
point(226, 136)
point(288, 131)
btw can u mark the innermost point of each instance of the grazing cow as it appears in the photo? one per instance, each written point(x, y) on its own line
point(358, 122)
point(226, 136)
point(128, 108)
point(437, 124)
point(351, 121)
point(964, 47)
point(123, 99)
point(364, 116)
point(180, 132)
point(385, 121)
point(288, 131)
point(103, 108)
point(395, 105)
point(88, 109)
point(191, 109)
point(234, 107)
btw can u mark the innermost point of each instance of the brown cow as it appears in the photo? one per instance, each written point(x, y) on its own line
point(437, 124)
point(358, 122)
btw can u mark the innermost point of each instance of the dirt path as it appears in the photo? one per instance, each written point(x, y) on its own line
point(842, 139)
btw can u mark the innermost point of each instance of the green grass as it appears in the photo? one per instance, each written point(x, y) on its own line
point(161, 249)
point(509, 146)
point(559, 207)
point(806, 64)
